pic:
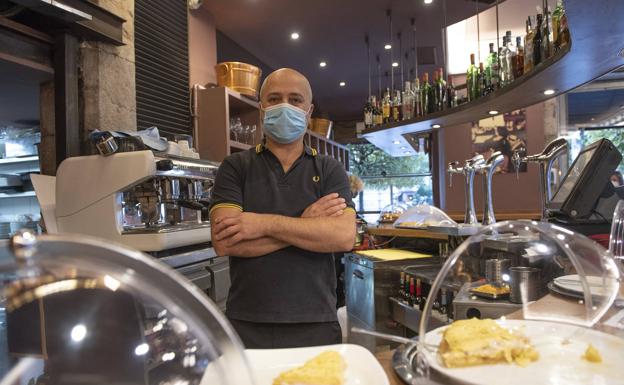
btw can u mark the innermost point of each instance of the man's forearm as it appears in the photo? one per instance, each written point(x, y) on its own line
point(251, 248)
point(322, 234)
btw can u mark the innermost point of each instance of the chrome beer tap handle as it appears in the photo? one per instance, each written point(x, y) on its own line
point(488, 171)
point(453, 168)
point(470, 168)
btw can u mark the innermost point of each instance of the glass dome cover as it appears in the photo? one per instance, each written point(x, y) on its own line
point(77, 310)
point(539, 256)
point(424, 216)
point(391, 213)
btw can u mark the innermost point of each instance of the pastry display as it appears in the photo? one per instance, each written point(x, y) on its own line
point(326, 368)
point(484, 342)
point(491, 290)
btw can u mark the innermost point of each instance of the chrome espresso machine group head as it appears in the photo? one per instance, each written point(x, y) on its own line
point(146, 201)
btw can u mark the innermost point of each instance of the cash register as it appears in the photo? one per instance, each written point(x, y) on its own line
point(586, 199)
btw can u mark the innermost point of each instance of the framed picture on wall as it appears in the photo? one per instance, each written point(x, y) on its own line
point(505, 133)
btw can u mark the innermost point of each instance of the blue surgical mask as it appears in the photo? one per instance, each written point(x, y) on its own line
point(285, 123)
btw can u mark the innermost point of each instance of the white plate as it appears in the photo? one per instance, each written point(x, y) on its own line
point(597, 286)
point(560, 347)
point(362, 367)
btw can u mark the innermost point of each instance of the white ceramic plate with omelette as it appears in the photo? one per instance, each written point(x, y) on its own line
point(560, 347)
point(362, 367)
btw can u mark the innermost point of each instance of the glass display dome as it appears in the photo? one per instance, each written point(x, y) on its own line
point(424, 216)
point(543, 289)
point(391, 213)
point(77, 310)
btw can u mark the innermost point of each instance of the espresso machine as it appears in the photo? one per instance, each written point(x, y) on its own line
point(146, 201)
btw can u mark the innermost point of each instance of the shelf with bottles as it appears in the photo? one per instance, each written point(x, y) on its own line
point(591, 52)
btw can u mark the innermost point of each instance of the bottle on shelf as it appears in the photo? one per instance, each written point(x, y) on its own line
point(561, 34)
point(471, 79)
point(396, 106)
point(420, 301)
point(408, 101)
point(451, 94)
point(546, 34)
point(406, 288)
point(433, 101)
point(511, 57)
point(425, 90)
point(444, 306)
point(492, 68)
point(412, 292)
point(537, 42)
point(385, 107)
point(402, 286)
point(519, 63)
point(441, 88)
point(528, 46)
point(368, 113)
point(417, 95)
point(481, 81)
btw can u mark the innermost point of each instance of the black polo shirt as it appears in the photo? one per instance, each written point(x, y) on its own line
point(291, 284)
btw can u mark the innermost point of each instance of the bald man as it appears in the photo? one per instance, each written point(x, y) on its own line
point(279, 211)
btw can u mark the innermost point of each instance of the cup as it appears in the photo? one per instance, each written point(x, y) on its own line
point(525, 284)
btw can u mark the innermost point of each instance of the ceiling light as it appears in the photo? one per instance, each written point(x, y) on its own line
point(428, 1)
point(407, 152)
point(323, 64)
point(403, 148)
point(294, 36)
point(78, 333)
point(395, 64)
point(493, 112)
point(387, 46)
point(396, 142)
point(592, 119)
point(435, 126)
point(622, 106)
point(549, 92)
point(342, 84)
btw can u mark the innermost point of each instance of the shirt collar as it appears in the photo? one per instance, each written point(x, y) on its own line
point(307, 149)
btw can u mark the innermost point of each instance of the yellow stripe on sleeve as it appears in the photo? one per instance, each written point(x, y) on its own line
point(225, 205)
point(350, 209)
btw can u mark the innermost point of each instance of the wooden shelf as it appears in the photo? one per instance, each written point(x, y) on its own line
point(596, 50)
point(391, 231)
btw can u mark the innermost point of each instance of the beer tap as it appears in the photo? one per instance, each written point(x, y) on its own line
point(468, 170)
point(488, 169)
point(545, 161)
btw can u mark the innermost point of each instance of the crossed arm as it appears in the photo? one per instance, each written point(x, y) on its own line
point(325, 226)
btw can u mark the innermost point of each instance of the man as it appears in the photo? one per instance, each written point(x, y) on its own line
point(279, 211)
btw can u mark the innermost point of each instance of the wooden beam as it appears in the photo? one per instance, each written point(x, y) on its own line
point(66, 106)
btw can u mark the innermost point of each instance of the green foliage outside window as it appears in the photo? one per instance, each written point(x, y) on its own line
point(615, 135)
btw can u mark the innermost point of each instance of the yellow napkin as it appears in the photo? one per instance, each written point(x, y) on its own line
point(392, 254)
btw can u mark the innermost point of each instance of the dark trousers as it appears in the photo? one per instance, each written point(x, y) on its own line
point(260, 335)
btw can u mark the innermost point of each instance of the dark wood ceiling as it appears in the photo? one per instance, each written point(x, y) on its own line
point(333, 31)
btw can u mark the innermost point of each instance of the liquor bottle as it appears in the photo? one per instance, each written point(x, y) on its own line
point(471, 79)
point(385, 107)
point(444, 310)
point(417, 102)
point(442, 97)
point(425, 90)
point(511, 57)
point(502, 55)
point(435, 307)
point(556, 18)
point(374, 108)
point(397, 107)
point(368, 114)
point(528, 46)
point(433, 101)
point(408, 101)
point(481, 81)
point(546, 38)
point(451, 94)
point(562, 37)
point(420, 301)
point(537, 42)
point(379, 113)
point(412, 292)
point(401, 286)
point(406, 288)
point(492, 70)
point(519, 66)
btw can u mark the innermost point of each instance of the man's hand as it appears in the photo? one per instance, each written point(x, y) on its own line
point(242, 227)
point(331, 205)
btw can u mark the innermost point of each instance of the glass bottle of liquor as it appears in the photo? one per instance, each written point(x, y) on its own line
point(412, 292)
point(546, 38)
point(380, 119)
point(537, 42)
point(511, 57)
point(385, 107)
point(433, 99)
point(556, 18)
point(368, 114)
point(563, 33)
point(519, 58)
point(528, 46)
point(444, 306)
point(492, 70)
point(420, 301)
point(481, 81)
point(442, 97)
point(406, 288)
point(396, 107)
point(401, 285)
point(425, 91)
point(471, 79)
point(408, 101)
point(375, 110)
point(451, 94)
point(417, 102)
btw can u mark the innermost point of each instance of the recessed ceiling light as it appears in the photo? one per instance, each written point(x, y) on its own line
point(593, 119)
point(323, 64)
point(294, 36)
point(396, 142)
point(428, 1)
point(342, 84)
point(407, 152)
point(403, 148)
point(387, 46)
point(435, 126)
point(622, 106)
point(493, 112)
point(395, 64)
point(549, 92)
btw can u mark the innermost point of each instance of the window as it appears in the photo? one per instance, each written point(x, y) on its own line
point(390, 180)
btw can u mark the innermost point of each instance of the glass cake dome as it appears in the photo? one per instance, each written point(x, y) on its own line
point(546, 285)
point(77, 310)
point(391, 213)
point(424, 216)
